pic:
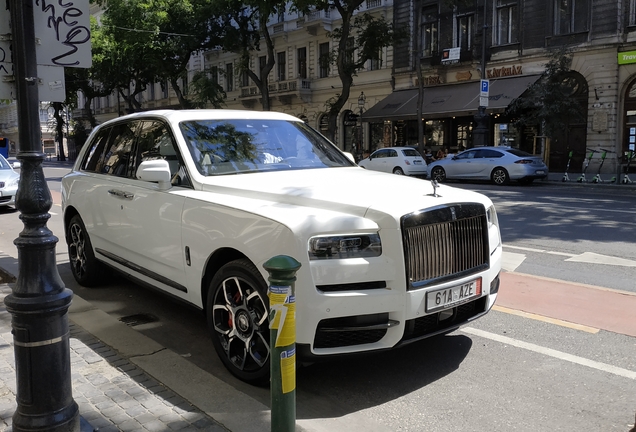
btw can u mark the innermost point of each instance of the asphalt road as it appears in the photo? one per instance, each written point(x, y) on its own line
point(507, 371)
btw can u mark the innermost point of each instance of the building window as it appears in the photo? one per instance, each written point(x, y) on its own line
point(323, 59)
point(465, 32)
point(214, 75)
point(506, 22)
point(245, 79)
point(229, 77)
point(349, 51)
point(301, 55)
point(376, 63)
point(571, 16)
point(632, 12)
point(280, 63)
point(166, 89)
point(429, 31)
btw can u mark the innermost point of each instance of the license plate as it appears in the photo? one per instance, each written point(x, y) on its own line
point(540, 172)
point(417, 162)
point(452, 296)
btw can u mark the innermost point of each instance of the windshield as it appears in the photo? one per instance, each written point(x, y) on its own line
point(236, 146)
point(4, 164)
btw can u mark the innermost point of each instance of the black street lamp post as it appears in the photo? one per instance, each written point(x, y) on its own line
point(481, 131)
point(39, 301)
point(361, 101)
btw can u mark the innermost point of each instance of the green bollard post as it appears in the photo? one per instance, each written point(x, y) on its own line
point(282, 329)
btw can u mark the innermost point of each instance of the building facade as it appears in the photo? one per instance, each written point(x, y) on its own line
point(510, 40)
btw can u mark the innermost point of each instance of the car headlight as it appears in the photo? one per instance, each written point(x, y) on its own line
point(345, 246)
point(491, 216)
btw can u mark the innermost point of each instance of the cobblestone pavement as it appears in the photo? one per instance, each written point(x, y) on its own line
point(112, 393)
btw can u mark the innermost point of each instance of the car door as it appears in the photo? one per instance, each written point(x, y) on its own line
point(103, 174)
point(463, 165)
point(150, 231)
point(485, 162)
point(377, 160)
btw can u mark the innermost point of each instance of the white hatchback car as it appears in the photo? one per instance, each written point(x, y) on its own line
point(194, 202)
point(396, 160)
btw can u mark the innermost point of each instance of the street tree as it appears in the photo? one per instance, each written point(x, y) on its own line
point(156, 40)
point(360, 37)
point(244, 26)
point(548, 103)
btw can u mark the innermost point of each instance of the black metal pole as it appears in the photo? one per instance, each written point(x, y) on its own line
point(39, 301)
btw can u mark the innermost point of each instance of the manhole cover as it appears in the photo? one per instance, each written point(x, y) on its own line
point(137, 319)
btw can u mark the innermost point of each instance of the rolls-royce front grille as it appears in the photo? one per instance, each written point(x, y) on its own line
point(444, 243)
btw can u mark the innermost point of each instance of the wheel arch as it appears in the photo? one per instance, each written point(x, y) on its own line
point(69, 213)
point(215, 261)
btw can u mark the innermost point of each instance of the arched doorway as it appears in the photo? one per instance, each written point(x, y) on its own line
point(573, 136)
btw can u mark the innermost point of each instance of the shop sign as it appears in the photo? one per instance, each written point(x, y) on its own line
point(626, 57)
point(503, 71)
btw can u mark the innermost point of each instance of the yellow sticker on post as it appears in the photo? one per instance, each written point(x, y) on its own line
point(283, 315)
point(288, 370)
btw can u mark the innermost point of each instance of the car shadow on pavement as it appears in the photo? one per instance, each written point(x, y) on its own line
point(355, 383)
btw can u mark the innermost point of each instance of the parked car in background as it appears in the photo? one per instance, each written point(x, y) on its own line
point(396, 160)
point(498, 164)
point(9, 180)
point(194, 202)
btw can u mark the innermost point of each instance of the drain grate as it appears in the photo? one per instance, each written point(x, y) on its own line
point(138, 319)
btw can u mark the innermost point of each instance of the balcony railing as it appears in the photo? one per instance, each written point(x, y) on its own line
point(300, 85)
point(373, 3)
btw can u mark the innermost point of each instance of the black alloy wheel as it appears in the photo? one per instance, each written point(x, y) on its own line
point(86, 270)
point(237, 312)
point(438, 174)
point(500, 176)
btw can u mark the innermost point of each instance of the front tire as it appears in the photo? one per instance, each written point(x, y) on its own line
point(438, 174)
point(237, 313)
point(86, 270)
point(500, 176)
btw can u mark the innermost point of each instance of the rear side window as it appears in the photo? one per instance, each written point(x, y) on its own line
point(410, 152)
point(111, 152)
point(392, 153)
point(519, 153)
point(490, 154)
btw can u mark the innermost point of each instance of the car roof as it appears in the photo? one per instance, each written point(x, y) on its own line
point(206, 114)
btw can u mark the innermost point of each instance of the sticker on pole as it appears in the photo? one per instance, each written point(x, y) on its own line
point(288, 370)
point(282, 316)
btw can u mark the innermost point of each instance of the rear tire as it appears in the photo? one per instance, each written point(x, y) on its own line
point(86, 270)
point(237, 313)
point(500, 176)
point(438, 174)
point(398, 171)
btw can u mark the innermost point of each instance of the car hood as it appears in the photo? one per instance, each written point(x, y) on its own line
point(355, 191)
point(7, 174)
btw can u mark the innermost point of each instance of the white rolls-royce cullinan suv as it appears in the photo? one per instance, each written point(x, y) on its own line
point(194, 202)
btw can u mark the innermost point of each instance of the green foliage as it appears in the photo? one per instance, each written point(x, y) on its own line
point(206, 90)
point(549, 102)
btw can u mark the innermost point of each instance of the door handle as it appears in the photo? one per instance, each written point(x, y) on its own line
point(121, 194)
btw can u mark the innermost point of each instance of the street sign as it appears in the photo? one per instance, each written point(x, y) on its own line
point(483, 101)
point(63, 30)
point(485, 88)
point(6, 68)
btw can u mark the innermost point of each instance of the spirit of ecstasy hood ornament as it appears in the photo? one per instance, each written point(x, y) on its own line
point(435, 186)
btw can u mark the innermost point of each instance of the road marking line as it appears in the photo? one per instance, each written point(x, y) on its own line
point(524, 248)
point(546, 319)
point(552, 353)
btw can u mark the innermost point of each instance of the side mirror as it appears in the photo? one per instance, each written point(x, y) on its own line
point(350, 157)
point(16, 165)
point(157, 170)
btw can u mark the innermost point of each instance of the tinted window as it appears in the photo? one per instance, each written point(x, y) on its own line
point(519, 153)
point(381, 154)
point(410, 152)
point(117, 158)
point(487, 153)
point(97, 150)
point(467, 155)
point(392, 153)
point(156, 142)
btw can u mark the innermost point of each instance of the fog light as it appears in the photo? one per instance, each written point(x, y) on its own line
point(494, 285)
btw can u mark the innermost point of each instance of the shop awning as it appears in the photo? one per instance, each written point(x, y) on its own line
point(449, 100)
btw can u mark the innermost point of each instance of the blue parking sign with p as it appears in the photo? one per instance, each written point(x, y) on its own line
point(484, 86)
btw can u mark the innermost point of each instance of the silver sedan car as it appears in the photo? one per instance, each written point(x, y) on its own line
point(8, 182)
point(498, 164)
